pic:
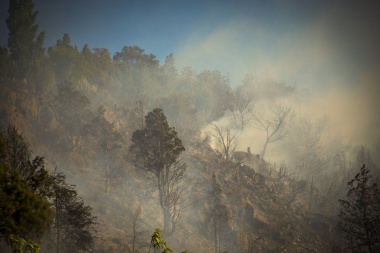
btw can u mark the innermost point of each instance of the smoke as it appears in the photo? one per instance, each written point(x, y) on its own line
point(331, 57)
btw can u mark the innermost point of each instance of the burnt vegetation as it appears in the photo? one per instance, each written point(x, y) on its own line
point(130, 145)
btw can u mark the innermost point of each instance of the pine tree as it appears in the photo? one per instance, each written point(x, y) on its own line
point(25, 210)
point(73, 229)
point(359, 217)
point(26, 47)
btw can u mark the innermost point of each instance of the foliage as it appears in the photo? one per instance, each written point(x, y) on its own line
point(24, 212)
point(25, 188)
point(156, 149)
point(359, 217)
point(134, 55)
point(20, 245)
point(18, 156)
point(157, 242)
point(26, 50)
point(73, 228)
point(65, 60)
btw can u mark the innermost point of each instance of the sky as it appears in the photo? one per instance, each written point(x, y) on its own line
point(327, 49)
point(302, 43)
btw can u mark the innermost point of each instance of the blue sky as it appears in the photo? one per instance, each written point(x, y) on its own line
point(163, 27)
point(318, 39)
point(303, 43)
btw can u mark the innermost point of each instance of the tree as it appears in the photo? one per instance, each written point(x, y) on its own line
point(308, 161)
point(25, 209)
point(156, 149)
point(18, 156)
point(73, 229)
point(225, 140)
point(6, 65)
point(219, 214)
point(240, 104)
point(65, 60)
point(134, 233)
point(359, 216)
point(134, 55)
point(26, 50)
point(73, 113)
point(275, 124)
point(23, 212)
point(110, 142)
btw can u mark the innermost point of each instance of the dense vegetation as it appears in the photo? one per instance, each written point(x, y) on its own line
point(129, 131)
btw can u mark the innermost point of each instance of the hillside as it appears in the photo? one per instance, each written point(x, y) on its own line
point(270, 210)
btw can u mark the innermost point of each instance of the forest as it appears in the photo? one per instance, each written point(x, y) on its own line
point(124, 153)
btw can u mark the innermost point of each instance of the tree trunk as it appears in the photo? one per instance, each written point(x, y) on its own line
point(167, 224)
point(264, 149)
point(107, 176)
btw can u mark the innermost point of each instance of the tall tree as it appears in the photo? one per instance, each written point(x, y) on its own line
point(219, 214)
point(26, 47)
point(25, 210)
point(156, 149)
point(359, 217)
point(64, 59)
point(18, 156)
point(110, 142)
point(74, 224)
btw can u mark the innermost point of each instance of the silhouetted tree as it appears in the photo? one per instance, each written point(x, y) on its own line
point(26, 50)
point(275, 124)
point(156, 149)
point(226, 141)
point(25, 209)
point(240, 104)
point(219, 214)
point(6, 65)
point(359, 217)
point(74, 225)
point(18, 156)
point(134, 55)
point(134, 231)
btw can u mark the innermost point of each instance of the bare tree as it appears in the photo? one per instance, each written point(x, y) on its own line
point(309, 160)
point(135, 232)
point(219, 215)
point(240, 104)
point(226, 141)
point(275, 124)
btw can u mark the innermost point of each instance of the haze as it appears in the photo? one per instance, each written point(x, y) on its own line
point(320, 58)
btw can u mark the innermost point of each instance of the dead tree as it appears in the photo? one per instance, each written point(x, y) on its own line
point(135, 232)
point(240, 104)
point(275, 124)
point(226, 141)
